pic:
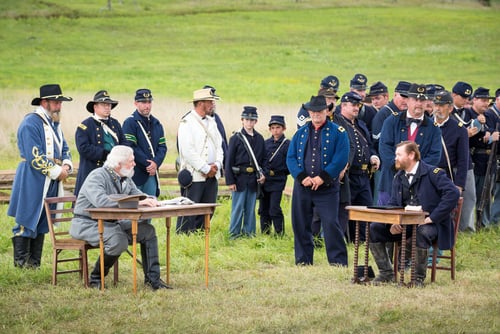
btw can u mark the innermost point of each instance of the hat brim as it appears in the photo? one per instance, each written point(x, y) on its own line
point(127, 201)
point(90, 105)
point(276, 123)
point(36, 101)
point(204, 99)
point(307, 106)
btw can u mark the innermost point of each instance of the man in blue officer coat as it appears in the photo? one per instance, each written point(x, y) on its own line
point(417, 184)
point(316, 157)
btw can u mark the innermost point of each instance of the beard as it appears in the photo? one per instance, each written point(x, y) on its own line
point(126, 172)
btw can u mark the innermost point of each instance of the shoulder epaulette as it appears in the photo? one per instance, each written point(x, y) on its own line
point(341, 129)
point(436, 170)
point(82, 126)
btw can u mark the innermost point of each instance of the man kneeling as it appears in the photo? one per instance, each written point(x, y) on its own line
point(115, 177)
point(416, 184)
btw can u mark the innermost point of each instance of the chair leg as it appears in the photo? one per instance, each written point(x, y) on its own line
point(55, 252)
point(85, 267)
point(452, 261)
point(434, 262)
point(115, 272)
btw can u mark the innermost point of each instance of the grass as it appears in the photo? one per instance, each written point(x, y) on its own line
point(271, 54)
point(254, 288)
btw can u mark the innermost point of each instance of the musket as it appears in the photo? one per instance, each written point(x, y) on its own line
point(487, 187)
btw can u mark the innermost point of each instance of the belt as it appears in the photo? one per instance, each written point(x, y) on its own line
point(363, 167)
point(482, 151)
point(276, 173)
point(238, 170)
point(56, 161)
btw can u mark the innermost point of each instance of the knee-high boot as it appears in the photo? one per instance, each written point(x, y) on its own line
point(383, 261)
point(279, 225)
point(151, 264)
point(21, 247)
point(95, 276)
point(421, 266)
point(36, 248)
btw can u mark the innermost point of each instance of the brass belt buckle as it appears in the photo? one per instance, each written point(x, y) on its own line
point(249, 170)
point(364, 166)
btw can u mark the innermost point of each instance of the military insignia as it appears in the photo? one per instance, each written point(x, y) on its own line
point(467, 92)
point(421, 89)
point(146, 95)
point(394, 113)
point(333, 83)
point(436, 170)
point(341, 129)
point(460, 124)
point(82, 126)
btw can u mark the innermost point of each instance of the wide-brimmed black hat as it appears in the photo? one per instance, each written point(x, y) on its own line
point(317, 103)
point(50, 92)
point(101, 96)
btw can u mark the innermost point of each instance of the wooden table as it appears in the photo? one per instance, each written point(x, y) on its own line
point(385, 216)
point(167, 212)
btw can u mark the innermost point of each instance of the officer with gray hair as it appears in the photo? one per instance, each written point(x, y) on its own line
point(115, 177)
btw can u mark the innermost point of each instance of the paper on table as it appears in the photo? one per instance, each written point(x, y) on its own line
point(181, 200)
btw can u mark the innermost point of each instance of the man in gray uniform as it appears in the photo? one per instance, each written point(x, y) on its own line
point(115, 177)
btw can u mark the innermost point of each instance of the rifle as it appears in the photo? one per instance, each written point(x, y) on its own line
point(487, 187)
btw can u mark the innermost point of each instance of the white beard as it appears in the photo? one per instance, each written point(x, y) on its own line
point(126, 172)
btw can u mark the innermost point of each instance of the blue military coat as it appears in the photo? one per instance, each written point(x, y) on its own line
point(90, 143)
point(436, 194)
point(334, 148)
point(237, 157)
point(457, 145)
point(478, 148)
point(42, 151)
point(136, 139)
point(395, 131)
point(275, 170)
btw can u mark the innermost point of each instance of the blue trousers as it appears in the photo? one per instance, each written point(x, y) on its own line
point(325, 202)
point(243, 219)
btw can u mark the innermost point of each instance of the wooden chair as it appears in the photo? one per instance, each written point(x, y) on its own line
point(59, 214)
point(456, 214)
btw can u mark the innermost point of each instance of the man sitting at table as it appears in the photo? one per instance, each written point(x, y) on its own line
point(115, 177)
point(416, 184)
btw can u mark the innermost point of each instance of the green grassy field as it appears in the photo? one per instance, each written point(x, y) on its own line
point(271, 54)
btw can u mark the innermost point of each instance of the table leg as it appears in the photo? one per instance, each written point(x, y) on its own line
point(100, 228)
point(134, 252)
point(367, 254)
point(356, 250)
point(413, 255)
point(207, 245)
point(168, 224)
point(402, 260)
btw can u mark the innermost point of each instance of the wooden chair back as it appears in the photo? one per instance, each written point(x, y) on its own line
point(59, 215)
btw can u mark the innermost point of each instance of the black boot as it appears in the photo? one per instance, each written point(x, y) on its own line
point(151, 265)
point(279, 226)
point(265, 226)
point(421, 267)
point(379, 252)
point(21, 246)
point(36, 249)
point(95, 276)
